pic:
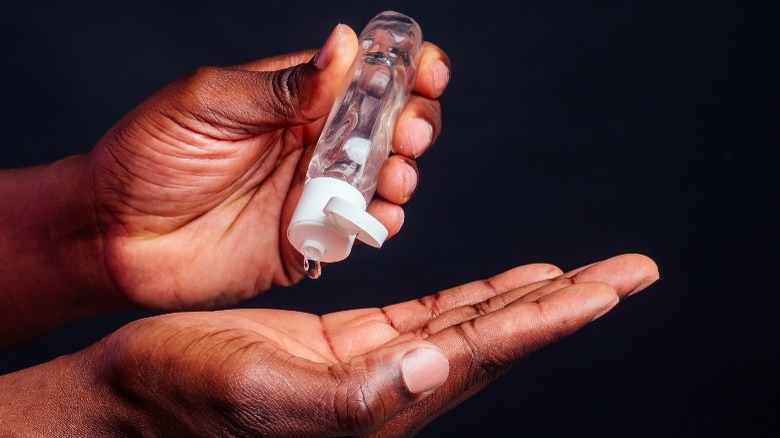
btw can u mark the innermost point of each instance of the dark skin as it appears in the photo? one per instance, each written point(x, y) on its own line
point(290, 374)
point(183, 205)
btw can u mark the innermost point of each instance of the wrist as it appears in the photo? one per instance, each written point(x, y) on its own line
point(50, 255)
point(74, 236)
point(64, 397)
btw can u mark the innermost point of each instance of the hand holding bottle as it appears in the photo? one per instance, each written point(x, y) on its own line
point(196, 186)
point(184, 203)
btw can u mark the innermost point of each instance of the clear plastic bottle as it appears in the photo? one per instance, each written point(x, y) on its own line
point(355, 142)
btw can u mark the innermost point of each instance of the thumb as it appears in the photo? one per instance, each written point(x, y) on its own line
point(250, 102)
point(369, 390)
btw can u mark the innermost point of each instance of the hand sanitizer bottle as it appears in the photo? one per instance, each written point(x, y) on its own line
point(355, 142)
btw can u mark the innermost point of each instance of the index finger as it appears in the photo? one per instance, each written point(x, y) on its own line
point(277, 62)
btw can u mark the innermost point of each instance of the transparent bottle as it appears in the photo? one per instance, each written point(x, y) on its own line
point(355, 142)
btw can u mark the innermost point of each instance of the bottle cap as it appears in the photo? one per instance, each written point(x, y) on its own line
point(330, 215)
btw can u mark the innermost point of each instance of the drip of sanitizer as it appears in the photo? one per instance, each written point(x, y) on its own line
point(355, 142)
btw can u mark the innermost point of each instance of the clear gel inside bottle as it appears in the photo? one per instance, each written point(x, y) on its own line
point(355, 141)
point(357, 138)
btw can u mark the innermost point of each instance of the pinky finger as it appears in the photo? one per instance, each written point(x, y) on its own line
point(389, 214)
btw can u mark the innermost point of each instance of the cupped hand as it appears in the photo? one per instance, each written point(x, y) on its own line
point(380, 372)
point(195, 187)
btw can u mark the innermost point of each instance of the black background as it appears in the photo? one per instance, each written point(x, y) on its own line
point(573, 131)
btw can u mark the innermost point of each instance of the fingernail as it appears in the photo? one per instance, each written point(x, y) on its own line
point(643, 285)
point(441, 75)
point(420, 136)
point(323, 58)
point(424, 369)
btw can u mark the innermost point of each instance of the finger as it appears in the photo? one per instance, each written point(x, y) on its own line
point(433, 72)
point(278, 62)
point(416, 314)
point(397, 179)
point(391, 215)
point(627, 273)
point(484, 348)
point(230, 103)
point(461, 314)
point(418, 127)
point(624, 273)
point(346, 399)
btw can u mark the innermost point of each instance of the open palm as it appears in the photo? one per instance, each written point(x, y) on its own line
point(284, 373)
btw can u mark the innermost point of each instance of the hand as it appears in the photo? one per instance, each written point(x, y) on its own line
point(379, 372)
point(195, 187)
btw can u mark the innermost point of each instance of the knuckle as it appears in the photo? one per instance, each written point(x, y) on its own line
point(205, 71)
point(286, 87)
point(433, 303)
point(482, 308)
point(192, 95)
point(202, 78)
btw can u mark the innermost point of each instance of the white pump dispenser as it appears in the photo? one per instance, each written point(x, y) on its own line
point(355, 142)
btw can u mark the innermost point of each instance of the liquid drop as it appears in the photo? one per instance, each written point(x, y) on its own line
point(313, 268)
